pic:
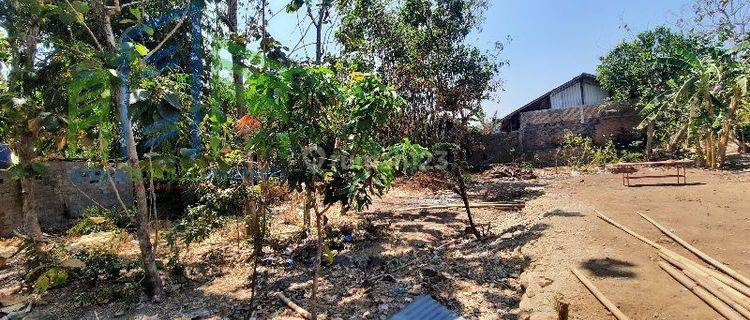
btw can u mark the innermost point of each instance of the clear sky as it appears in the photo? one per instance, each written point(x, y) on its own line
point(553, 41)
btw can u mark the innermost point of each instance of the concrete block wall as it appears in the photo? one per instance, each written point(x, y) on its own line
point(498, 147)
point(10, 203)
point(62, 193)
point(545, 129)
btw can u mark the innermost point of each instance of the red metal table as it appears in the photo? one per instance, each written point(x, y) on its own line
point(628, 168)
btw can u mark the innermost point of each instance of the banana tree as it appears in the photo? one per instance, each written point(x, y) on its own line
point(737, 79)
point(697, 94)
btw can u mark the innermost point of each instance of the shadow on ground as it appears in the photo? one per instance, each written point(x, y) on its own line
point(610, 268)
point(667, 184)
point(562, 213)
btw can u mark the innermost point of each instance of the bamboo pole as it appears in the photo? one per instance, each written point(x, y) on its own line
point(702, 293)
point(719, 292)
point(720, 276)
point(734, 274)
point(302, 312)
point(694, 268)
point(626, 229)
point(599, 295)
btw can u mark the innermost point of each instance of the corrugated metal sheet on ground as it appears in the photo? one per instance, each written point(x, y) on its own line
point(425, 308)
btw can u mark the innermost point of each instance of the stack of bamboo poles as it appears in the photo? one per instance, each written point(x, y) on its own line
point(723, 288)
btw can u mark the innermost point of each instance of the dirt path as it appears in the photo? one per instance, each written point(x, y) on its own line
point(713, 214)
point(520, 271)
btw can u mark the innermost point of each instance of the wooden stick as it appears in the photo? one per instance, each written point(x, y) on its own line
point(599, 295)
point(455, 206)
point(699, 291)
point(731, 285)
point(626, 229)
point(719, 292)
point(723, 278)
point(289, 303)
point(734, 274)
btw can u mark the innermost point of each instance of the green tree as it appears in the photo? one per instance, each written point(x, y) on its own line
point(711, 91)
point(420, 47)
point(30, 101)
point(326, 129)
point(631, 75)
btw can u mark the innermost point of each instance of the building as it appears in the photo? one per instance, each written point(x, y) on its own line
point(579, 106)
point(583, 90)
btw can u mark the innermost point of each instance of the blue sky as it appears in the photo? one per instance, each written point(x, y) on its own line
point(553, 41)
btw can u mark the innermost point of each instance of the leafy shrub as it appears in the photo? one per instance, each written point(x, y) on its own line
point(51, 278)
point(97, 219)
point(209, 212)
point(127, 293)
point(582, 152)
point(102, 264)
point(198, 223)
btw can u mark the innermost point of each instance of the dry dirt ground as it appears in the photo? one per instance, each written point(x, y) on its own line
point(712, 213)
point(383, 258)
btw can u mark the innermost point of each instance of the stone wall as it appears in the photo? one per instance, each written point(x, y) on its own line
point(492, 148)
point(10, 203)
point(545, 129)
point(63, 192)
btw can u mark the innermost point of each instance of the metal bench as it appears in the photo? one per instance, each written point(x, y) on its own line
point(627, 169)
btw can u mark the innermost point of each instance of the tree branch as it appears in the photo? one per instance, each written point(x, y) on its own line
point(169, 35)
point(83, 21)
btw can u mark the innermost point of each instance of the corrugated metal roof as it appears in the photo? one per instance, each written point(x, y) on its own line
point(575, 79)
point(425, 308)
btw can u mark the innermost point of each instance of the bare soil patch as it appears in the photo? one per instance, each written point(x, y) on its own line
point(382, 259)
point(712, 213)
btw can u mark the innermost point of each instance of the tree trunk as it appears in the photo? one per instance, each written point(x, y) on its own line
point(318, 262)
point(319, 32)
point(678, 138)
point(232, 24)
point(306, 213)
point(25, 149)
point(141, 217)
point(256, 234)
point(318, 45)
point(726, 129)
point(25, 144)
point(30, 216)
point(464, 196)
point(649, 140)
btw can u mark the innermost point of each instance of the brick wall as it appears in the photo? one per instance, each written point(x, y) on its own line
point(10, 197)
point(492, 148)
point(544, 129)
point(62, 194)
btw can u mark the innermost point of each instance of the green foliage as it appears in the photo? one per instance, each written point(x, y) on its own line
point(198, 224)
point(103, 265)
point(325, 128)
point(630, 72)
point(21, 171)
point(51, 278)
point(210, 212)
point(421, 47)
point(127, 293)
point(89, 111)
point(95, 219)
point(581, 152)
point(711, 92)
